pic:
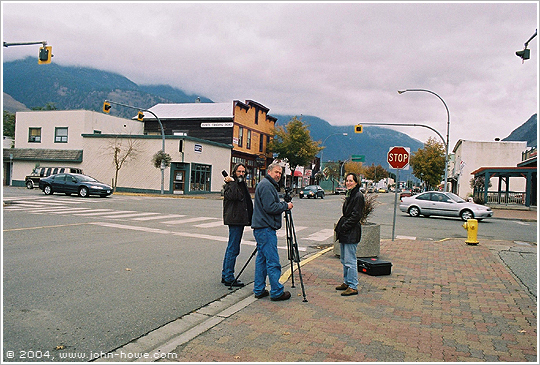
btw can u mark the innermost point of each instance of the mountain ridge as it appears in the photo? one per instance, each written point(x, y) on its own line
point(28, 85)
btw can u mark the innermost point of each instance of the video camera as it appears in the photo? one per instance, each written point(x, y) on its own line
point(287, 196)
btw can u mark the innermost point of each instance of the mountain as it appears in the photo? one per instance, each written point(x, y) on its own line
point(526, 132)
point(73, 88)
point(29, 85)
point(373, 143)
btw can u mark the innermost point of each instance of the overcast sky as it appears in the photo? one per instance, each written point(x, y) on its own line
point(342, 62)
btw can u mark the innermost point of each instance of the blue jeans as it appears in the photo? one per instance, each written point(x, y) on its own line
point(350, 265)
point(267, 262)
point(232, 251)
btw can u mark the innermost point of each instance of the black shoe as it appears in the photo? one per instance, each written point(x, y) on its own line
point(286, 295)
point(265, 293)
point(236, 283)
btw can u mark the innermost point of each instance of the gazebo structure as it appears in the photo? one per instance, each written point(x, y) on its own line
point(503, 195)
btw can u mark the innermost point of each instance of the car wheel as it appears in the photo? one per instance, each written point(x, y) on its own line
point(414, 211)
point(466, 215)
point(29, 184)
point(83, 192)
point(47, 190)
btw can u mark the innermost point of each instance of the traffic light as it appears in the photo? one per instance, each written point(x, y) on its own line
point(106, 107)
point(45, 55)
point(358, 128)
point(140, 116)
point(525, 54)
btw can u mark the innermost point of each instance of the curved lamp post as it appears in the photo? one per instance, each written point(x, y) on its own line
point(162, 135)
point(322, 144)
point(447, 130)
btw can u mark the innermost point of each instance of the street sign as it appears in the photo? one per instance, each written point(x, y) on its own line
point(358, 158)
point(398, 157)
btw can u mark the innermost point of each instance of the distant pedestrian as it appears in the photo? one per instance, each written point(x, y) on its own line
point(348, 232)
point(267, 217)
point(237, 212)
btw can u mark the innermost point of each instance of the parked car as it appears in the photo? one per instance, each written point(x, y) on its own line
point(31, 181)
point(382, 190)
point(341, 190)
point(312, 191)
point(74, 184)
point(443, 204)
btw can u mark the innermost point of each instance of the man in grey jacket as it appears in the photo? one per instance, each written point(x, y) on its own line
point(267, 217)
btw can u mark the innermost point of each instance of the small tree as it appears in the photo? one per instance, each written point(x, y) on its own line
point(122, 150)
point(293, 143)
point(375, 173)
point(355, 167)
point(8, 126)
point(428, 162)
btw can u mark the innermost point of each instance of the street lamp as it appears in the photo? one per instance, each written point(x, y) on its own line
point(107, 107)
point(447, 130)
point(322, 144)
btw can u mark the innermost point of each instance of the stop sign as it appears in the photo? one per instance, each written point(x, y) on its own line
point(398, 157)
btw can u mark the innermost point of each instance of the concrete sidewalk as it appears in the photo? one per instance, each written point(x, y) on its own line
point(444, 301)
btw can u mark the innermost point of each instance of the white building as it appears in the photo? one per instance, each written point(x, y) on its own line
point(88, 140)
point(471, 155)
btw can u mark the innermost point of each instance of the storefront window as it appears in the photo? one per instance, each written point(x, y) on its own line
point(200, 177)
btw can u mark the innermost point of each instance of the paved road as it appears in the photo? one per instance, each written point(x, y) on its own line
point(94, 274)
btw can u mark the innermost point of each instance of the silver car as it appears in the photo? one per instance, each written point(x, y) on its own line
point(445, 204)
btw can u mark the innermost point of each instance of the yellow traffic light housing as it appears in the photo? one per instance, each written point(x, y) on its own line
point(140, 116)
point(106, 107)
point(358, 128)
point(45, 55)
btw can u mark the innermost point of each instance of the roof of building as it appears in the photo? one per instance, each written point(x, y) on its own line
point(191, 111)
point(39, 154)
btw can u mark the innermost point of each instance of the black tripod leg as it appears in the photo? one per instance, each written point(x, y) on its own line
point(294, 255)
point(241, 271)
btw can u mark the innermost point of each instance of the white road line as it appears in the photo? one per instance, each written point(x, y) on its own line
point(210, 225)
point(283, 232)
point(72, 210)
point(189, 220)
point(321, 235)
point(406, 238)
point(140, 214)
point(97, 212)
point(183, 234)
point(159, 217)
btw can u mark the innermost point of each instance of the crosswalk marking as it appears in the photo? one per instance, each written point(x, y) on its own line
point(210, 225)
point(159, 217)
point(188, 220)
point(95, 212)
point(321, 235)
point(66, 205)
point(283, 232)
point(132, 215)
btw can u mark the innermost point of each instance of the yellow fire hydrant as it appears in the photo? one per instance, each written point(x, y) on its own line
point(472, 231)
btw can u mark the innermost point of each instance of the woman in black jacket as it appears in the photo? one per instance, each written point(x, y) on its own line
point(348, 232)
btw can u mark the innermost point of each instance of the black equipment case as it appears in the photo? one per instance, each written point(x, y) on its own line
point(373, 266)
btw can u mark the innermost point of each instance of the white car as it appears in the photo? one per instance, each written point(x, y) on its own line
point(444, 204)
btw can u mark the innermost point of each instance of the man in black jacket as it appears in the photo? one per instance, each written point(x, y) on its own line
point(237, 212)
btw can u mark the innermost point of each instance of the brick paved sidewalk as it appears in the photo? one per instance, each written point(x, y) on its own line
point(444, 301)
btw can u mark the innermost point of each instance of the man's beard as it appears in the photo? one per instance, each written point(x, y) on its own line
point(240, 179)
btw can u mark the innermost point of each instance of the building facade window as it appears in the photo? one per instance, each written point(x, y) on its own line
point(240, 136)
point(248, 139)
point(60, 135)
point(261, 143)
point(34, 135)
point(200, 177)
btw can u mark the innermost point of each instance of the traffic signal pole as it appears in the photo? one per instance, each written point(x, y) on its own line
point(45, 52)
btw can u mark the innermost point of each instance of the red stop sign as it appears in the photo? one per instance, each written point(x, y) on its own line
point(398, 157)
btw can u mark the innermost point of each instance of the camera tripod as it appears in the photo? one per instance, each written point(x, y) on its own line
point(292, 250)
